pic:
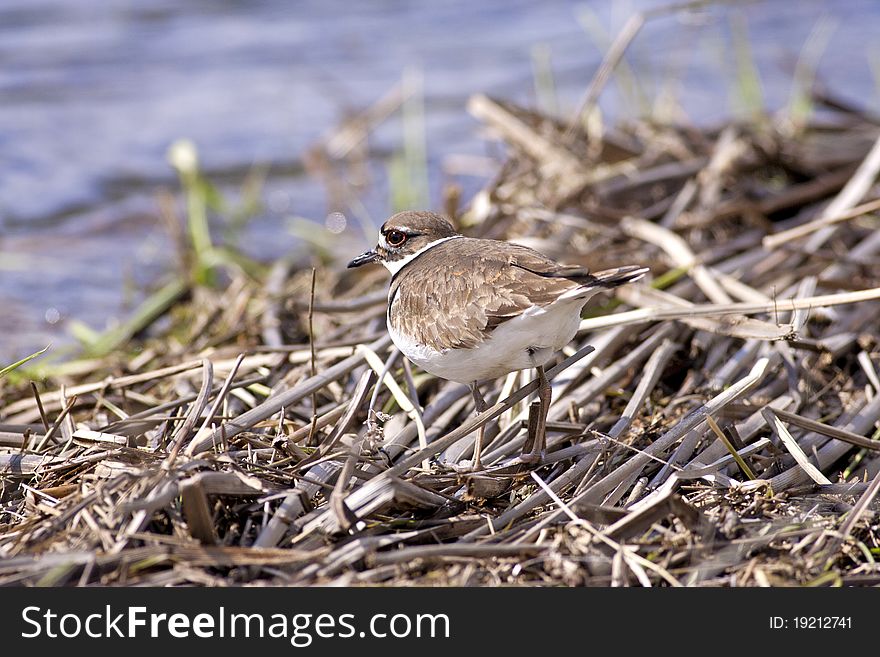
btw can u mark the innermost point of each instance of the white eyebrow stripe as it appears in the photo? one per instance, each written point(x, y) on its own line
point(396, 265)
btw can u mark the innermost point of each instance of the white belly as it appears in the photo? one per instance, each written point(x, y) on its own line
point(526, 341)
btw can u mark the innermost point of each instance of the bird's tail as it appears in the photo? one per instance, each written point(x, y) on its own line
point(592, 283)
point(609, 278)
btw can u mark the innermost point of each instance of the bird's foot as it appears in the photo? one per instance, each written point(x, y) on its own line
point(466, 466)
point(530, 458)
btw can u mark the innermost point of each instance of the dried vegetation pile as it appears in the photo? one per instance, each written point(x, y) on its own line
point(722, 430)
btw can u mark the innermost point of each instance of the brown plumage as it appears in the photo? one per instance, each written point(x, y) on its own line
point(475, 285)
point(470, 309)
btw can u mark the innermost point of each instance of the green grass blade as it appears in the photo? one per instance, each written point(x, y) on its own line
point(6, 370)
point(152, 307)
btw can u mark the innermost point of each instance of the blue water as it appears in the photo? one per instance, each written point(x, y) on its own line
point(94, 91)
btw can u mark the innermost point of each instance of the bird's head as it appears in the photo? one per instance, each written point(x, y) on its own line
point(404, 236)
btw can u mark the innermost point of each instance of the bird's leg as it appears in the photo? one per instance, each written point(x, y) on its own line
point(536, 442)
point(479, 407)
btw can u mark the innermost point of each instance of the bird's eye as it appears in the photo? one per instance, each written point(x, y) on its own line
point(395, 237)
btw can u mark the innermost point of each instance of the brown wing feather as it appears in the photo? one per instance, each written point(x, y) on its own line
point(464, 288)
point(485, 284)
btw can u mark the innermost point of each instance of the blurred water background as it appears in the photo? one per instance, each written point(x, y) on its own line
point(94, 92)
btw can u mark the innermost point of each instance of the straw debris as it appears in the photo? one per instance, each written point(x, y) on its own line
point(714, 426)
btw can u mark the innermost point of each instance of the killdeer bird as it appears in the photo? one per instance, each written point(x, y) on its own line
point(467, 309)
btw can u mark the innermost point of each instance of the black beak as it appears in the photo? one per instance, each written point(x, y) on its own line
point(363, 259)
